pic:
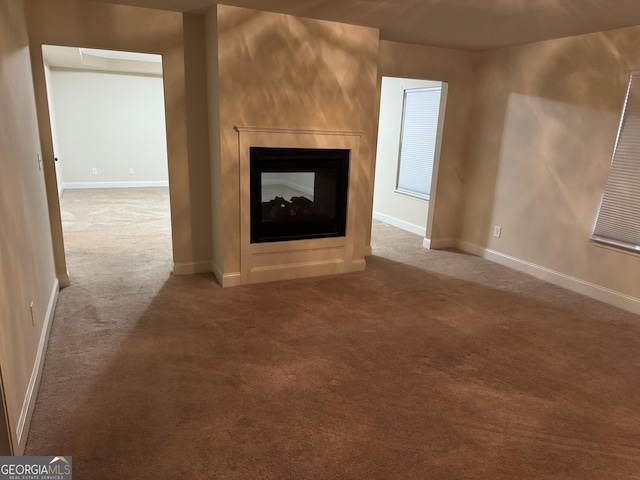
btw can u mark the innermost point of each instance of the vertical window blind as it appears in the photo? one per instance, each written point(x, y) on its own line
point(418, 140)
point(618, 221)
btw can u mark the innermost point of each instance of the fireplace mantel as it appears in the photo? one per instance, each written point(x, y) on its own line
point(283, 260)
point(296, 131)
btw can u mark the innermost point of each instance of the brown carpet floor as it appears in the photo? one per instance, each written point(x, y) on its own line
point(428, 365)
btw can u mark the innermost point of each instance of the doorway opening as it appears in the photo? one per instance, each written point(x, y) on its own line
point(108, 130)
point(407, 157)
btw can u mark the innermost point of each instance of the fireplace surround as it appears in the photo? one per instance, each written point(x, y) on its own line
point(323, 244)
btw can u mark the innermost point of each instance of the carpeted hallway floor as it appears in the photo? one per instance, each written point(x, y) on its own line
point(428, 365)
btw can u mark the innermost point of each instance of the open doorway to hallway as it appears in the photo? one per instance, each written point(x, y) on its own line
point(409, 137)
point(109, 136)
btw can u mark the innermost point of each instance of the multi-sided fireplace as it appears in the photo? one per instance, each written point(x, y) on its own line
point(298, 209)
point(298, 193)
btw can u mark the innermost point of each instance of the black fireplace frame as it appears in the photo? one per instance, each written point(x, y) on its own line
point(317, 160)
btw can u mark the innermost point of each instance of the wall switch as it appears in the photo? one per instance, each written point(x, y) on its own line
point(39, 161)
point(497, 231)
point(33, 317)
point(94, 171)
point(131, 171)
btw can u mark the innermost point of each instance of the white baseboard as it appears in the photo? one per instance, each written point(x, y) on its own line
point(191, 268)
point(64, 280)
point(398, 223)
point(226, 279)
point(143, 184)
point(36, 374)
point(439, 244)
point(472, 248)
point(598, 292)
point(231, 280)
point(359, 265)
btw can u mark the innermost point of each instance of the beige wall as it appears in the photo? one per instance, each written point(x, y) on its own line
point(117, 27)
point(544, 128)
point(5, 441)
point(213, 111)
point(199, 191)
point(282, 71)
point(26, 266)
point(456, 68)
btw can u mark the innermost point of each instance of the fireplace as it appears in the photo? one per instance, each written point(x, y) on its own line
point(298, 193)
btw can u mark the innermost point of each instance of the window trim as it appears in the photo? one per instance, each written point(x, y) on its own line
point(603, 241)
point(409, 193)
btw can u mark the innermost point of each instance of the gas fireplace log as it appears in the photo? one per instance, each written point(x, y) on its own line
point(280, 209)
point(307, 206)
point(298, 209)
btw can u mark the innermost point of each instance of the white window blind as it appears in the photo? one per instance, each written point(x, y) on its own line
point(418, 140)
point(618, 221)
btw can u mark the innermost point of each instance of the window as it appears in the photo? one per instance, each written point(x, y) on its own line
point(618, 221)
point(418, 140)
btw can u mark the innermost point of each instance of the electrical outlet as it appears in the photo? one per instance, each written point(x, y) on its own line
point(131, 171)
point(39, 161)
point(497, 231)
point(94, 171)
point(33, 317)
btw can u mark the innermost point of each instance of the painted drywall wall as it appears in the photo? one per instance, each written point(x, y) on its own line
point(282, 71)
point(5, 441)
point(215, 162)
point(54, 128)
point(112, 122)
point(545, 124)
point(27, 268)
point(401, 210)
point(175, 37)
point(197, 128)
point(455, 67)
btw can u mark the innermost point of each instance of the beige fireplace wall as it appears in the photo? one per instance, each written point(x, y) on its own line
point(281, 71)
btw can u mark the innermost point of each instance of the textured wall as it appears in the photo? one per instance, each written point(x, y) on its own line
point(545, 125)
point(197, 124)
point(26, 258)
point(288, 72)
point(213, 112)
point(456, 68)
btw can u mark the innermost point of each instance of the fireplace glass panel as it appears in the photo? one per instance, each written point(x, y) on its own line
point(298, 193)
point(287, 185)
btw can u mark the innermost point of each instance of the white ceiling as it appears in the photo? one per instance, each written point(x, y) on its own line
point(103, 60)
point(464, 24)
